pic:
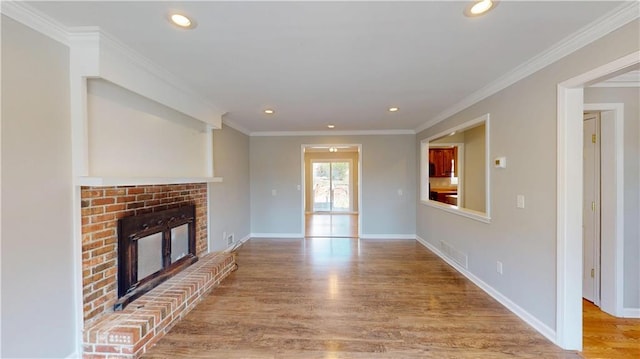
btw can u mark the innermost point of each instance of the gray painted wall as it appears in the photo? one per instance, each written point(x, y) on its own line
point(229, 200)
point(474, 172)
point(631, 99)
point(523, 128)
point(388, 164)
point(38, 309)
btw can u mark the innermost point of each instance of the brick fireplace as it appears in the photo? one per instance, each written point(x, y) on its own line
point(101, 209)
point(128, 333)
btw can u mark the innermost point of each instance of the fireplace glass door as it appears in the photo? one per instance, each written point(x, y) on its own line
point(179, 242)
point(152, 248)
point(149, 254)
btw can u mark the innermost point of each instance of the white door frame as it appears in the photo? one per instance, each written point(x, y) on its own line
point(331, 161)
point(611, 205)
point(304, 189)
point(596, 193)
point(570, 107)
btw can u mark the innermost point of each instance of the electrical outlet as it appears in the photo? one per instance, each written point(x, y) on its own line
point(230, 239)
point(520, 201)
point(499, 267)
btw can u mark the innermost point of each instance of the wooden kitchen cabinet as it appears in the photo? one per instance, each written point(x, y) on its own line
point(440, 162)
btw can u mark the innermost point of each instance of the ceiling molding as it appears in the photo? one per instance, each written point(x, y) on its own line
point(25, 14)
point(332, 133)
point(606, 24)
point(629, 79)
point(235, 126)
point(122, 65)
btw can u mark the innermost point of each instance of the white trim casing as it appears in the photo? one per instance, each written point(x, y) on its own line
point(536, 324)
point(569, 199)
point(277, 235)
point(424, 177)
point(388, 236)
point(303, 181)
point(140, 181)
point(612, 211)
point(631, 313)
point(239, 243)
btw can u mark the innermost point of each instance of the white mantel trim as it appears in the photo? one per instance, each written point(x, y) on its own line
point(119, 64)
point(142, 181)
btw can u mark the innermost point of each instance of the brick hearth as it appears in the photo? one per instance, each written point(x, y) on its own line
point(101, 209)
point(130, 332)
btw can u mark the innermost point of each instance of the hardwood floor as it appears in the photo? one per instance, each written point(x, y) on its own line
point(349, 298)
point(606, 336)
point(331, 225)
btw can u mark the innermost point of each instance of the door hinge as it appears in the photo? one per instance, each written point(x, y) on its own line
point(593, 138)
point(593, 272)
point(593, 206)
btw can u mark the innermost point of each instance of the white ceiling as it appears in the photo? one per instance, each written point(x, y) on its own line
point(345, 63)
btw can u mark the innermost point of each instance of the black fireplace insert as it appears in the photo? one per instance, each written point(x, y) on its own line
point(152, 247)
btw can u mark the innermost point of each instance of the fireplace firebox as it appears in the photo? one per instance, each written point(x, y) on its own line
point(152, 247)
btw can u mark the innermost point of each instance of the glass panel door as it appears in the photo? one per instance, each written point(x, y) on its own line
point(341, 198)
point(331, 186)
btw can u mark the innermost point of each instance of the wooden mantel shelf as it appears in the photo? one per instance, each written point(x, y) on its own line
point(135, 181)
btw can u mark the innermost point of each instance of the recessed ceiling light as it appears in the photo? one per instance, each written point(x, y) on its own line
point(331, 126)
point(479, 7)
point(182, 21)
point(269, 111)
point(393, 109)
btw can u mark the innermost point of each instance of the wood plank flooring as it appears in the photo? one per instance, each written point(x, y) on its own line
point(331, 225)
point(349, 298)
point(606, 336)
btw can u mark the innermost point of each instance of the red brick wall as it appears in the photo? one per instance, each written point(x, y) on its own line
point(101, 209)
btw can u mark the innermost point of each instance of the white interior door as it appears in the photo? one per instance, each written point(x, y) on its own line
point(591, 209)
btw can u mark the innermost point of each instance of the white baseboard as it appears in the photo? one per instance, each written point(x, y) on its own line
point(388, 236)
point(631, 312)
point(534, 322)
point(238, 243)
point(277, 235)
point(73, 355)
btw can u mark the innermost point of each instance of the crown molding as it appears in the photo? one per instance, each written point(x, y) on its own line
point(331, 133)
point(602, 26)
point(27, 15)
point(235, 126)
point(120, 64)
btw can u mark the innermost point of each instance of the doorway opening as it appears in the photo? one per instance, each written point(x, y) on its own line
point(570, 117)
point(591, 219)
point(331, 201)
point(331, 185)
